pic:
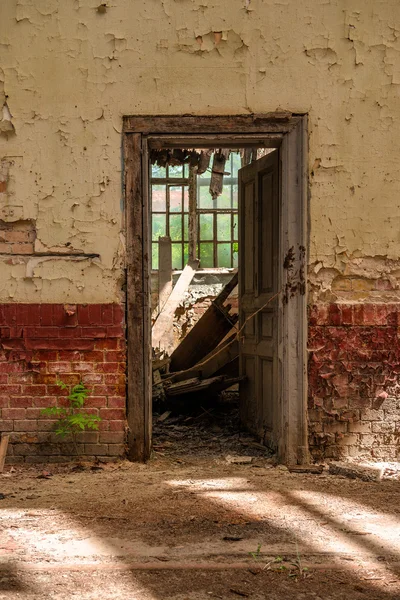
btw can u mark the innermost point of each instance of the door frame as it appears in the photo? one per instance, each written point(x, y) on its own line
point(290, 133)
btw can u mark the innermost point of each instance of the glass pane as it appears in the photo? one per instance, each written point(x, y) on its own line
point(175, 198)
point(235, 254)
point(175, 227)
point(235, 195)
point(157, 171)
point(224, 255)
point(158, 198)
point(185, 253)
point(236, 163)
point(204, 196)
point(186, 199)
point(175, 171)
point(186, 227)
point(223, 227)
point(224, 200)
point(206, 255)
point(235, 227)
point(206, 227)
point(176, 256)
point(154, 256)
point(158, 226)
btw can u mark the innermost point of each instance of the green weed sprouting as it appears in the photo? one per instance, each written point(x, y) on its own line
point(72, 419)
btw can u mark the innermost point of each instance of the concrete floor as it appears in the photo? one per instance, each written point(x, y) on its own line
point(197, 527)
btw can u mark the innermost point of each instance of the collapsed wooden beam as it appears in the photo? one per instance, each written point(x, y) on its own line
point(208, 332)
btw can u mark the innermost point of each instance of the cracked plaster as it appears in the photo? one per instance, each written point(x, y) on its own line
point(71, 70)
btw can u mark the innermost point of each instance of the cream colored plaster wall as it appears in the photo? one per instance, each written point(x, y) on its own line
point(70, 70)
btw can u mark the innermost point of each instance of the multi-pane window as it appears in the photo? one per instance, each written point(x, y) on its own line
point(170, 212)
point(217, 219)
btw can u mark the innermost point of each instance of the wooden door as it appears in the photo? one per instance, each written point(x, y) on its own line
point(259, 204)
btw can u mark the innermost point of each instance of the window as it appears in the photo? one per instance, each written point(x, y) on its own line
point(217, 219)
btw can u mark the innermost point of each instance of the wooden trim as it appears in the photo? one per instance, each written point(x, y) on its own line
point(278, 122)
point(293, 418)
point(211, 140)
point(138, 390)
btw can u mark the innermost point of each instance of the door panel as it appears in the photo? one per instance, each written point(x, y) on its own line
point(258, 283)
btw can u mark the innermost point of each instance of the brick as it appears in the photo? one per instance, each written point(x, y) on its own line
point(384, 427)
point(96, 449)
point(107, 314)
point(114, 379)
point(55, 390)
point(93, 356)
point(34, 390)
point(88, 437)
point(119, 313)
point(26, 425)
point(45, 401)
point(116, 402)
point(90, 378)
point(94, 332)
point(69, 356)
point(108, 390)
point(112, 437)
point(45, 378)
point(110, 367)
point(24, 449)
point(3, 378)
point(46, 424)
point(360, 427)
point(20, 378)
point(335, 427)
point(116, 450)
point(115, 331)
point(60, 367)
point(13, 413)
point(117, 425)
point(112, 414)
point(372, 415)
point(117, 356)
point(6, 425)
point(95, 314)
point(96, 402)
point(107, 344)
point(368, 439)
point(12, 367)
point(33, 413)
point(83, 314)
point(83, 367)
point(21, 402)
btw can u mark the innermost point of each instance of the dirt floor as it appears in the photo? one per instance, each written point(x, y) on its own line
point(194, 523)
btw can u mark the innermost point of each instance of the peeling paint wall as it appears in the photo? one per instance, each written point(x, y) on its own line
point(71, 70)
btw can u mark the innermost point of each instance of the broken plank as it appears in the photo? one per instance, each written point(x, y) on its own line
point(3, 450)
point(202, 338)
point(165, 318)
point(213, 384)
point(223, 354)
point(227, 289)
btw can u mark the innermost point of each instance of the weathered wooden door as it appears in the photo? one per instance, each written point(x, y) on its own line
point(259, 205)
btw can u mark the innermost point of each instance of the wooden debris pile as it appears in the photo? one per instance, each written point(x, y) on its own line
point(207, 358)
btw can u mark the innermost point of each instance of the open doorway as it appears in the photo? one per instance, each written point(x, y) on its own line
point(204, 226)
point(207, 210)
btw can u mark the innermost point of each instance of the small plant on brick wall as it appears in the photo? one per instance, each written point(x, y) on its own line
point(72, 419)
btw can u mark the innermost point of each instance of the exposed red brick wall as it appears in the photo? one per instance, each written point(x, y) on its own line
point(17, 237)
point(354, 380)
point(40, 343)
